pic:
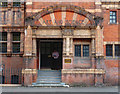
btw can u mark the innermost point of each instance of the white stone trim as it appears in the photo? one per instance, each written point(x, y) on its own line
point(28, 3)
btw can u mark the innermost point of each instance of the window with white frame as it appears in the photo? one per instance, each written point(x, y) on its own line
point(113, 17)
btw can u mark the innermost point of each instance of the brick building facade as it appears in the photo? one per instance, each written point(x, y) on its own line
point(86, 35)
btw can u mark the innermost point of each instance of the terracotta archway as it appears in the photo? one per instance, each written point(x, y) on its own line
point(50, 13)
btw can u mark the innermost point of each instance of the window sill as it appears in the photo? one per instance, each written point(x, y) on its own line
point(113, 23)
point(116, 57)
point(82, 57)
point(12, 54)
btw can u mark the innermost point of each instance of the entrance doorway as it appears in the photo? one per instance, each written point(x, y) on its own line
point(47, 47)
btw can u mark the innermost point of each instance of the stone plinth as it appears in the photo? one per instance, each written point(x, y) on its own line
point(29, 76)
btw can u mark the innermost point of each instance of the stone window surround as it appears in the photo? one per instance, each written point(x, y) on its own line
point(9, 45)
point(113, 45)
point(82, 43)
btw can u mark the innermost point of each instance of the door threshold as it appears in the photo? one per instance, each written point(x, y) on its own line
point(45, 69)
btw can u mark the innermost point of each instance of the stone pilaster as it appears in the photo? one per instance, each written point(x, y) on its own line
point(28, 42)
point(93, 52)
point(22, 42)
point(9, 43)
point(98, 5)
point(71, 46)
point(15, 18)
point(34, 46)
point(64, 46)
point(99, 41)
point(67, 45)
point(99, 54)
point(9, 17)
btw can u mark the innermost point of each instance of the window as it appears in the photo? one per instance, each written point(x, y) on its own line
point(82, 50)
point(78, 50)
point(4, 3)
point(16, 36)
point(16, 47)
point(3, 36)
point(3, 47)
point(113, 18)
point(3, 42)
point(14, 79)
point(109, 50)
point(13, 16)
point(85, 50)
point(4, 17)
point(16, 3)
point(117, 50)
point(16, 42)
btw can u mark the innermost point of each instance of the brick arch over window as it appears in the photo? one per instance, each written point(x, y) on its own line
point(50, 11)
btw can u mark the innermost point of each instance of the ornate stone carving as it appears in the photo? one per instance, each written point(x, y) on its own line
point(67, 32)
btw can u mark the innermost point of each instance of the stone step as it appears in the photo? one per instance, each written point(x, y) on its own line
point(50, 85)
point(48, 80)
point(49, 77)
point(39, 82)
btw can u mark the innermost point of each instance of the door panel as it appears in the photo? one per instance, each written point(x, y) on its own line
point(46, 49)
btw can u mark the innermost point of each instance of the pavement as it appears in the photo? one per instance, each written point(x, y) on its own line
point(111, 89)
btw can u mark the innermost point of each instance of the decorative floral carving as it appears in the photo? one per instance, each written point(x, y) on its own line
point(67, 32)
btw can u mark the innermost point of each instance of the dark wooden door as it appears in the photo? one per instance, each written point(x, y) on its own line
point(46, 49)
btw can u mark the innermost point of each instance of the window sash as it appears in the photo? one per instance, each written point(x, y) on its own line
point(117, 50)
point(16, 47)
point(78, 50)
point(3, 36)
point(4, 4)
point(85, 50)
point(16, 4)
point(3, 47)
point(113, 17)
point(109, 50)
point(16, 36)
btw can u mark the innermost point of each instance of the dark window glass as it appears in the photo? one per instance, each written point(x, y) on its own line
point(14, 79)
point(117, 50)
point(85, 50)
point(113, 17)
point(4, 4)
point(18, 14)
point(3, 36)
point(16, 3)
point(109, 50)
point(13, 16)
point(16, 47)
point(4, 18)
point(3, 47)
point(77, 50)
point(16, 36)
